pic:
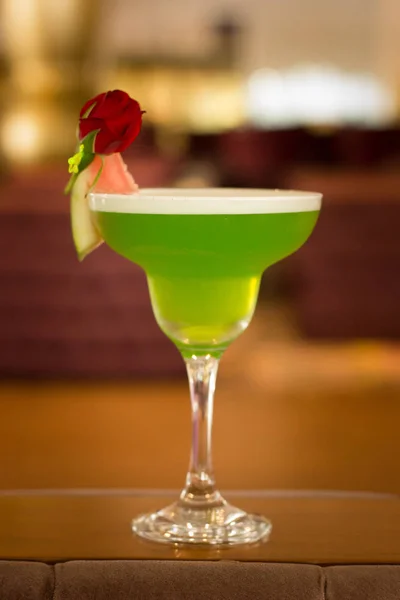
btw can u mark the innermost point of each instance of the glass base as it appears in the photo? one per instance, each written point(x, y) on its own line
point(218, 525)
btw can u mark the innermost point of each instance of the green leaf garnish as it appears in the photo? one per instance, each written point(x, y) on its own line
point(81, 159)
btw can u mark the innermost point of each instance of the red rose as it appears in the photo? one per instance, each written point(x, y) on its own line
point(117, 117)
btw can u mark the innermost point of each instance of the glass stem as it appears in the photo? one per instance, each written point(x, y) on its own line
point(200, 484)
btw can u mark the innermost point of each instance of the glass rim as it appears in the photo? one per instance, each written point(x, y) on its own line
point(197, 201)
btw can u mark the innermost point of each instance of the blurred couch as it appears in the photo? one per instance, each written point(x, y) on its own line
point(346, 280)
point(250, 157)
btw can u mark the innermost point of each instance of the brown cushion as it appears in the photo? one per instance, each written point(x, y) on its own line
point(363, 582)
point(26, 581)
point(186, 580)
point(195, 580)
point(62, 319)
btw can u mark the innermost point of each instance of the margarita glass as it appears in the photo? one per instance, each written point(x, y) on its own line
point(204, 252)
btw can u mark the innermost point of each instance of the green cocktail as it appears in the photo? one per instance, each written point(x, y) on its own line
point(204, 270)
point(204, 252)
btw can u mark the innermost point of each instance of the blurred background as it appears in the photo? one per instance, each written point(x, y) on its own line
point(289, 93)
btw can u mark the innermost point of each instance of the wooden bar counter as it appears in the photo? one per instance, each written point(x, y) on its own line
point(320, 528)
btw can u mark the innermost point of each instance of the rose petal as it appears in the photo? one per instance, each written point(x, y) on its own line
point(88, 125)
point(106, 142)
point(117, 125)
point(90, 104)
point(131, 133)
point(113, 103)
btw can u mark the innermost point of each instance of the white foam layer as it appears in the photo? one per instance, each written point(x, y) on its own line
point(206, 201)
